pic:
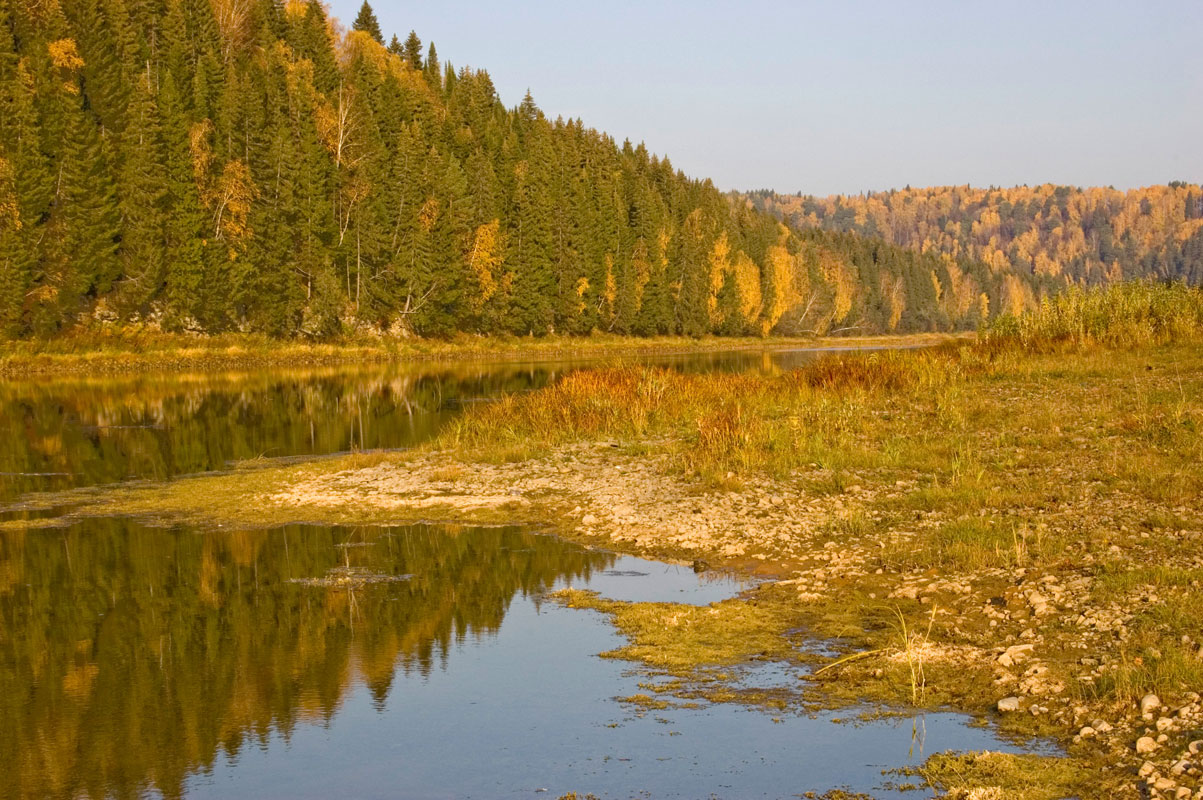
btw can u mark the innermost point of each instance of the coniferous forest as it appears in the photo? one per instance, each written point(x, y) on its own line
point(249, 165)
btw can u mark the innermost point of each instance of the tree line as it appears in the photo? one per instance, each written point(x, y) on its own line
point(1059, 234)
point(249, 165)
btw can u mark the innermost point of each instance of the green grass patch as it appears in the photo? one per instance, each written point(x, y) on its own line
point(680, 639)
point(1005, 776)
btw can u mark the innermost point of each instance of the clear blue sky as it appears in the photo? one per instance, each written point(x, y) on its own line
point(828, 97)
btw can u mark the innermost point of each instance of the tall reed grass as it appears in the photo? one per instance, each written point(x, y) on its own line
point(717, 422)
point(1121, 316)
point(720, 422)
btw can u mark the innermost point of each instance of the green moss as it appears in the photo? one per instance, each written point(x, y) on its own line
point(998, 776)
point(682, 638)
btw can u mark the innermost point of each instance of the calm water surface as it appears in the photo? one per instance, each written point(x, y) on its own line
point(60, 432)
point(409, 662)
point(317, 661)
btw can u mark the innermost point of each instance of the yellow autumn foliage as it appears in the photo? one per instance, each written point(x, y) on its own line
point(64, 54)
point(485, 258)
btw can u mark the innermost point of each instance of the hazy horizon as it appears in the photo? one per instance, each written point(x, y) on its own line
point(850, 98)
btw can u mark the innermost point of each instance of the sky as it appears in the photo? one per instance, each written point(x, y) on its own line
point(845, 96)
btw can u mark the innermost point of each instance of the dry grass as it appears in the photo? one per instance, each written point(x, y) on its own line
point(1123, 316)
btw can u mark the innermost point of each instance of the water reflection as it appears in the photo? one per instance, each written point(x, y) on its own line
point(130, 657)
point(62, 432)
point(408, 662)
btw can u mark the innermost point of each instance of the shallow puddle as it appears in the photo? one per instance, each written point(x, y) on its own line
point(148, 662)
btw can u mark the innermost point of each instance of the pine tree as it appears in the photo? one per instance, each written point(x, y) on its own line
point(13, 271)
point(531, 243)
point(29, 184)
point(84, 225)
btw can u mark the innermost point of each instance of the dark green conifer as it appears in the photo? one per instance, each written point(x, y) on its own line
point(413, 50)
point(367, 22)
point(185, 239)
point(143, 203)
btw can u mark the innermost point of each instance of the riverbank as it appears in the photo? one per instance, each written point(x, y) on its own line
point(124, 352)
point(1008, 528)
point(1015, 535)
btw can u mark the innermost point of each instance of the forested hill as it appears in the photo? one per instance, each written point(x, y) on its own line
point(250, 165)
point(1055, 232)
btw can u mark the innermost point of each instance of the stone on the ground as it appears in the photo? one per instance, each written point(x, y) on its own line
point(1146, 744)
point(1149, 703)
point(1008, 704)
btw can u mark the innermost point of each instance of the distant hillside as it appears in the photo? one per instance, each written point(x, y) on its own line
point(1056, 234)
point(249, 165)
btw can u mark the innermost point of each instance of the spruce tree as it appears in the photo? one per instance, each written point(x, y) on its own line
point(367, 23)
point(433, 69)
point(413, 50)
point(143, 202)
point(185, 239)
point(253, 171)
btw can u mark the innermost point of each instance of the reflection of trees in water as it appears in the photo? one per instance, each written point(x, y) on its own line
point(130, 657)
point(65, 432)
point(100, 431)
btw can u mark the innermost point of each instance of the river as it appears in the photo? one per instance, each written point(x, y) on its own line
point(381, 662)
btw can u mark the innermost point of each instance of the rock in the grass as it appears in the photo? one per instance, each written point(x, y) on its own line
point(1195, 748)
point(588, 519)
point(1015, 654)
point(1164, 724)
point(1146, 744)
point(1149, 703)
point(1165, 785)
point(1101, 725)
point(1008, 704)
point(1087, 732)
